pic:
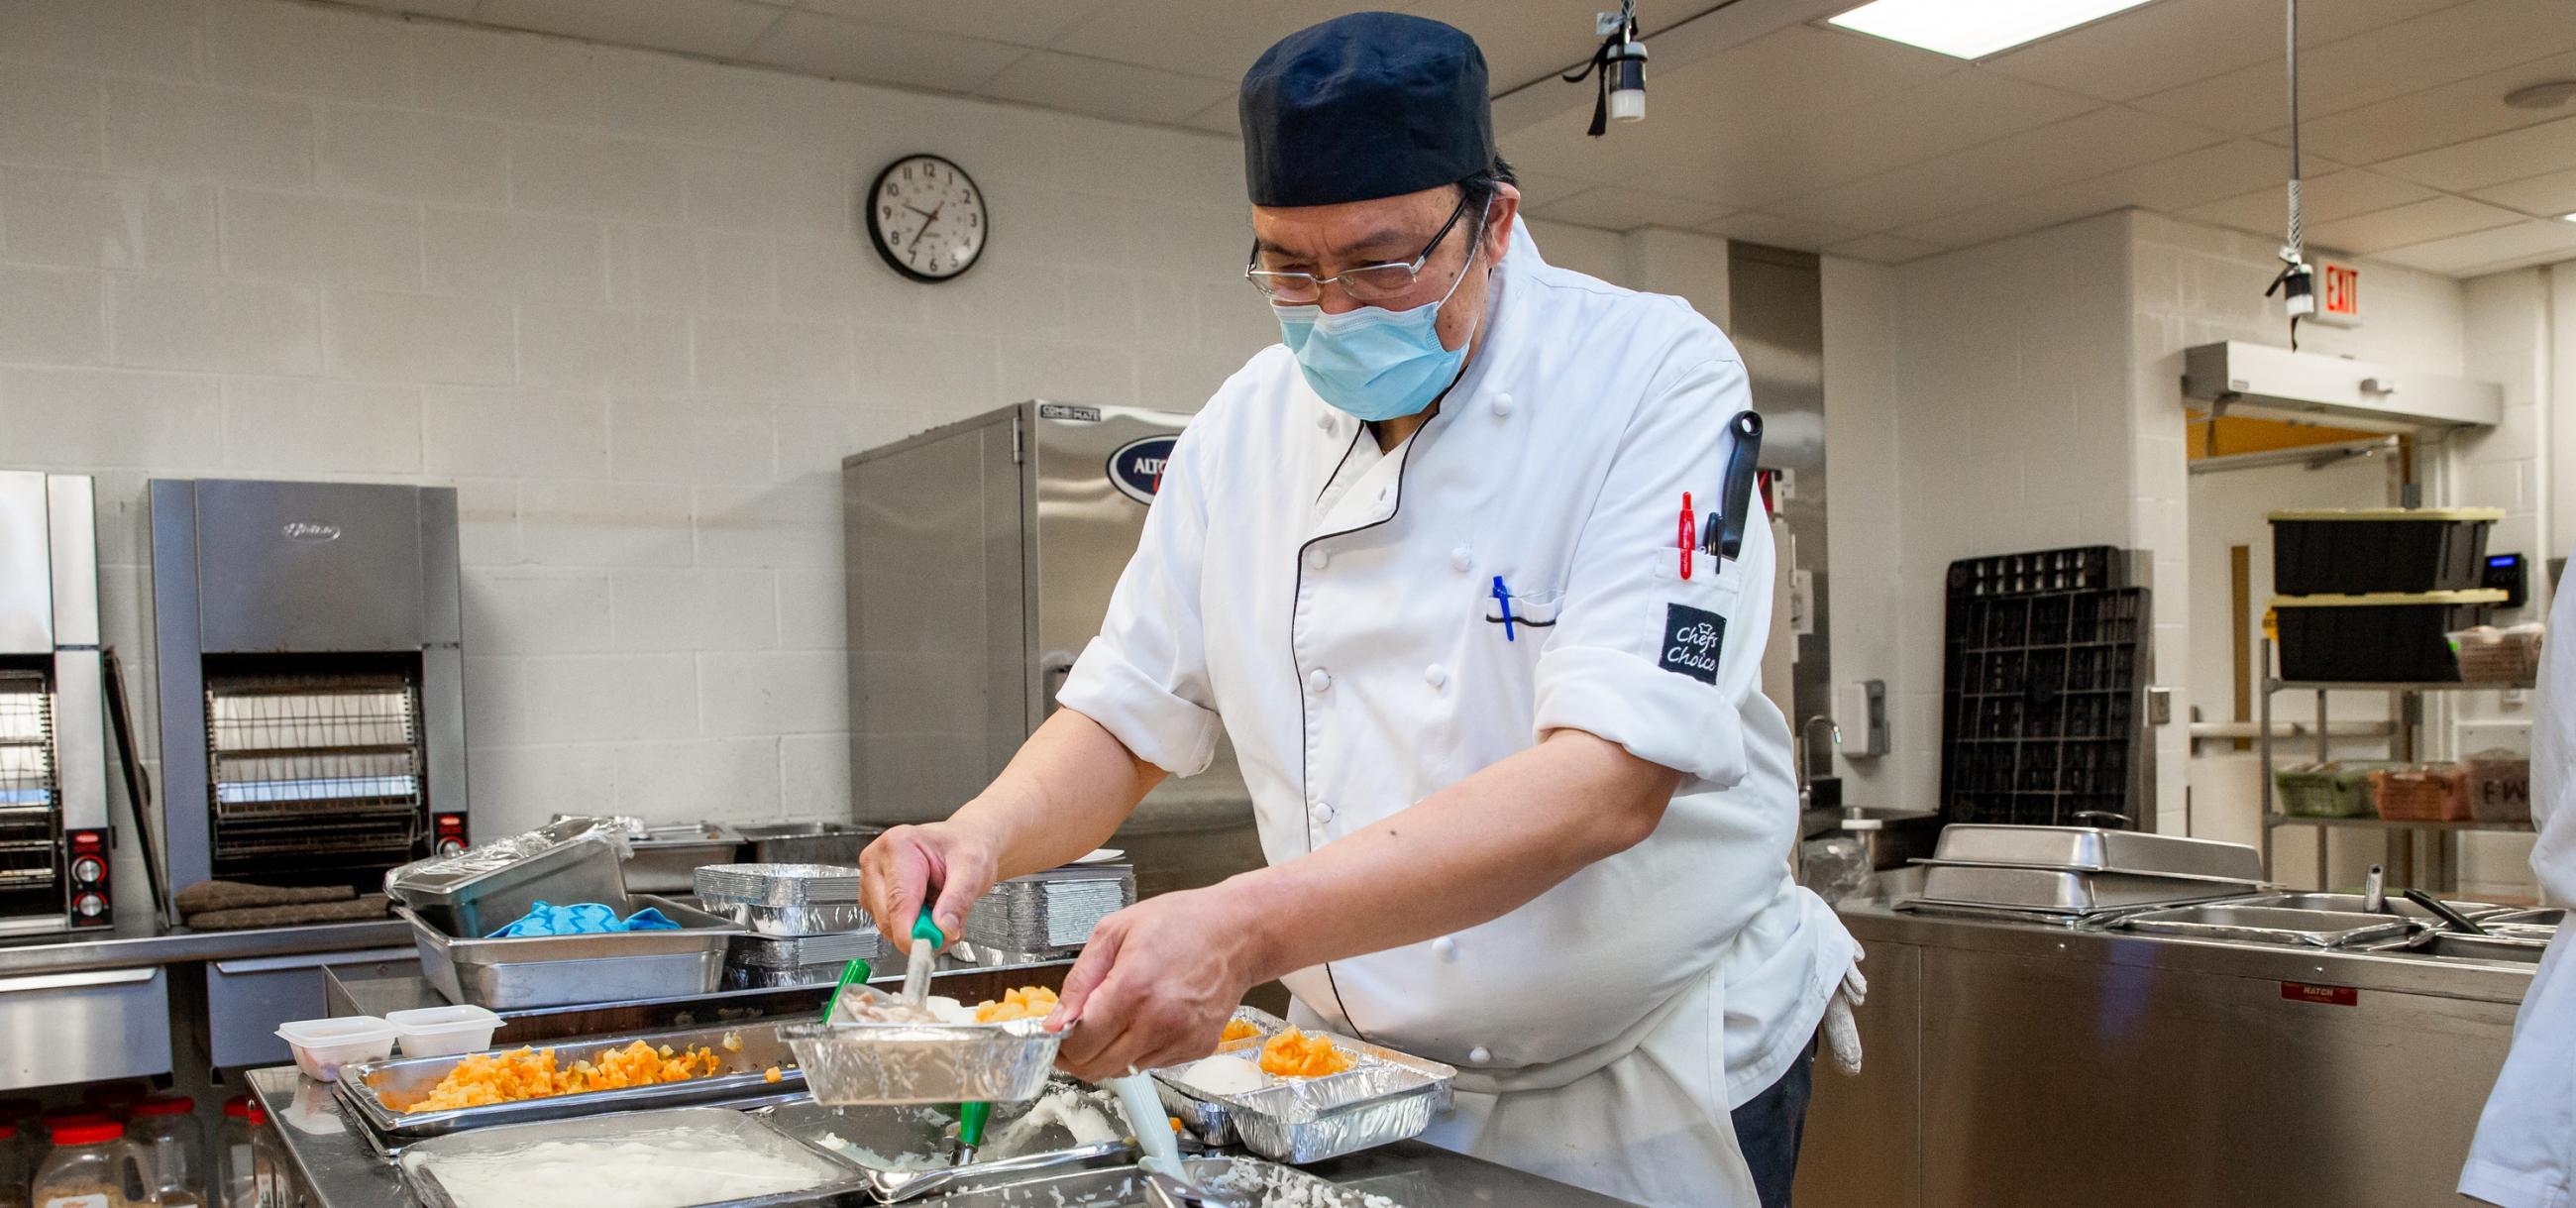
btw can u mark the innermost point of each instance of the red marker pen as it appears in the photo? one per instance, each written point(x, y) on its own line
point(1690, 534)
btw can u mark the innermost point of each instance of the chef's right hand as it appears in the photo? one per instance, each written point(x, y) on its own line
point(908, 863)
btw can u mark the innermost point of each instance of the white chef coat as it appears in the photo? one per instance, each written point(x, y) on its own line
point(1333, 608)
point(2525, 1152)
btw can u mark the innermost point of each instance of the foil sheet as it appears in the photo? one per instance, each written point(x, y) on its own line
point(777, 884)
point(901, 1063)
point(1375, 1103)
point(1050, 911)
point(907, 1152)
point(790, 952)
point(819, 918)
point(1260, 1184)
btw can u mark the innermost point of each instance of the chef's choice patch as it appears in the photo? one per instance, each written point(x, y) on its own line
point(1692, 639)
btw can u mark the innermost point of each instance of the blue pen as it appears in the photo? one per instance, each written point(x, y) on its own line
point(1504, 598)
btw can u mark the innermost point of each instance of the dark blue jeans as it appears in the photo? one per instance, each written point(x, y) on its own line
point(1768, 1128)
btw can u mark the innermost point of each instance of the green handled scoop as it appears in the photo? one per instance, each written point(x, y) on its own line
point(970, 1131)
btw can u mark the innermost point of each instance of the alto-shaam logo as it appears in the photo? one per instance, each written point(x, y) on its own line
point(1136, 469)
point(311, 530)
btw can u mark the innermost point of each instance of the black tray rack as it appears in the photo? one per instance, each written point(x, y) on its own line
point(2043, 690)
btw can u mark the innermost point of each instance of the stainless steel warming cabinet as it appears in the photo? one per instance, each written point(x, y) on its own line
point(981, 556)
point(54, 840)
point(310, 660)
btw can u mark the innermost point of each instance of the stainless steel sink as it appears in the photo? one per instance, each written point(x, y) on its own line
point(2480, 947)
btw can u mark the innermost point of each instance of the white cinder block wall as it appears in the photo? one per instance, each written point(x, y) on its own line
point(618, 299)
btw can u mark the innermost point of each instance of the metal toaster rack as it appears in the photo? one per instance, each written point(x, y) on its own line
point(28, 784)
point(320, 764)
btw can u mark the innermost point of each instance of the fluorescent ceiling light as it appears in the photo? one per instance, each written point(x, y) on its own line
point(1973, 29)
point(2567, 217)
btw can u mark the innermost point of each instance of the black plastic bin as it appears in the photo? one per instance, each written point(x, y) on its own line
point(2379, 550)
point(2392, 637)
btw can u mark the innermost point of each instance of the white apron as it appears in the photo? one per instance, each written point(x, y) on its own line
point(2525, 1152)
point(1334, 610)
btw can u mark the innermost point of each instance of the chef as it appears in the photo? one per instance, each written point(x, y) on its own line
point(2525, 1152)
point(1434, 563)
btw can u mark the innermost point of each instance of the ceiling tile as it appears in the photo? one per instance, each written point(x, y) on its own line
point(2513, 155)
point(719, 28)
point(1218, 40)
point(1617, 208)
point(2171, 43)
point(2546, 196)
point(1118, 91)
point(830, 46)
point(1221, 118)
point(2538, 242)
point(2321, 199)
point(1522, 42)
point(2167, 185)
point(1018, 22)
point(2434, 117)
point(2080, 148)
point(1540, 188)
point(1778, 230)
point(453, 10)
point(2414, 222)
point(2385, 63)
point(1884, 249)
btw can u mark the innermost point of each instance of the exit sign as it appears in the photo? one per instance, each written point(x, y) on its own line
point(2338, 294)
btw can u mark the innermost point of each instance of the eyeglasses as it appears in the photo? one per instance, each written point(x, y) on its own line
point(1367, 283)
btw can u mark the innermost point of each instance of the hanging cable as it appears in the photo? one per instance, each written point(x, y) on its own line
point(2296, 282)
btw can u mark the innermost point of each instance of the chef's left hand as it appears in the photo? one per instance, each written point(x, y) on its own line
point(1156, 984)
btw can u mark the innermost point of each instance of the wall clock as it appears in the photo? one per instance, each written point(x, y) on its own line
point(927, 218)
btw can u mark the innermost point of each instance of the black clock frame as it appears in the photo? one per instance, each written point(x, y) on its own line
point(876, 235)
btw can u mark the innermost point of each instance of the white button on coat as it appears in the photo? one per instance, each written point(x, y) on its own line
point(1317, 680)
point(1446, 948)
point(1323, 811)
point(1502, 406)
point(1435, 675)
point(1479, 1055)
point(1462, 559)
point(1316, 558)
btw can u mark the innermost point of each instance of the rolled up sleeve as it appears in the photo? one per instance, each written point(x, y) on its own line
point(1144, 678)
point(1662, 665)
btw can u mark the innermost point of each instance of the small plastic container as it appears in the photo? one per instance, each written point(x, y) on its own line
point(174, 1148)
point(270, 1187)
point(2432, 792)
point(2489, 655)
point(2499, 786)
point(443, 1031)
point(14, 1174)
point(92, 1166)
point(322, 1046)
point(235, 1184)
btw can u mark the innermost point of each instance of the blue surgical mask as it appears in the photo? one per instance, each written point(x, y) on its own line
point(1371, 362)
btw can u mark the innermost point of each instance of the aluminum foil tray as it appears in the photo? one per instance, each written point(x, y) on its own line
point(747, 1051)
point(1207, 1117)
point(1050, 911)
point(901, 1063)
point(1385, 1097)
point(777, 884)
point(904, 1152)
point(791, 952)
point(1261, 1185)
point(2058, 891)
point(714, 1137)
point(820, 918)
point(2091, 849)
point(746, 977)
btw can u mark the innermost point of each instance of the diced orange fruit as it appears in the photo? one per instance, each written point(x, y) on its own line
point(1295, 1054)
point(525, 1073)
point(1027, 1002)
point(1238, 1029)
point(772, 1074)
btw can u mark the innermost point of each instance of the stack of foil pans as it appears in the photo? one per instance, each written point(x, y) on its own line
point(759, 962)
point(784, 899)
point(1048, 913)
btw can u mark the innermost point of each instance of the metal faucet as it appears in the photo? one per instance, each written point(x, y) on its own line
point(1798, 752)
point(2374, 891)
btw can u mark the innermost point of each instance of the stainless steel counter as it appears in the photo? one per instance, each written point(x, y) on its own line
point(334, 1167)
point(139, 945)
point(2022, 1063)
